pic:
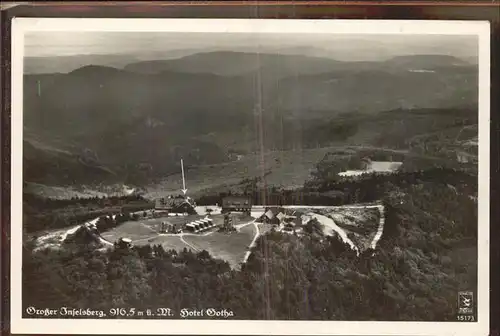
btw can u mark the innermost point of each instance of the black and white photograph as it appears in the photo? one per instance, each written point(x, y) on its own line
point(195, 174)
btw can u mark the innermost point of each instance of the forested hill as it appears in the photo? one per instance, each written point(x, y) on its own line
point(99, 124)
point(427, 254)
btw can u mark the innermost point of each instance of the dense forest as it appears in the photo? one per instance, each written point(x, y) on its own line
point(330, 190)
point(427, 254)
point(42, 213)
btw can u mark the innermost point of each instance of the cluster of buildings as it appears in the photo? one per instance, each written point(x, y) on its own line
point(200, 225)
point(285, 219)
point(184, 205)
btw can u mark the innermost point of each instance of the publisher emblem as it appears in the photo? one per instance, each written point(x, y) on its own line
point(465, 303)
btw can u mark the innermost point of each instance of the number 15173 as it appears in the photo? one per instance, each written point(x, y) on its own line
point(467, 318)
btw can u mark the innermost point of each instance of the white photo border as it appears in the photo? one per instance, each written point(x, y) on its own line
point(20, 26)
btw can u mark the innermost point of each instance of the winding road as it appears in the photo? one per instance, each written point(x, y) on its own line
point(252, 244)
point(181, 236)
point(328, 222)
point(380, 229)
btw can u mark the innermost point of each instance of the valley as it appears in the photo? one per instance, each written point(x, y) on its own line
point(102, 126)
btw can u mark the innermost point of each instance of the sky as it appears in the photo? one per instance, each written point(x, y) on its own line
point(47, 44)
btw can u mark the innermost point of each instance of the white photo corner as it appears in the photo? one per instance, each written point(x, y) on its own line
point(213, 176)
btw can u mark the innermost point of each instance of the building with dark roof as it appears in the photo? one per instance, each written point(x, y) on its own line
point(175, 205)
point(273, 215)
point(236, 203)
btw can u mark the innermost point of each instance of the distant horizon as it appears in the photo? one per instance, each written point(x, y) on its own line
point(29, 68)
point(117, 49)
point(120, 61)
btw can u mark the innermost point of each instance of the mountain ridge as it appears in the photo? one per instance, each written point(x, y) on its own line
point(132, 120)
point(216, 57)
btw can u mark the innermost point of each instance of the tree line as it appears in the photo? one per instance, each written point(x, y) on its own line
point(43, 214)
point(334, 191)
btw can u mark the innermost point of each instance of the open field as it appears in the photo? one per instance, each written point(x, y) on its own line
point(168, 242)
point(227, 246)
point(286, 168)
point(231, 247)
point(146, 228)
point(131, 230)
